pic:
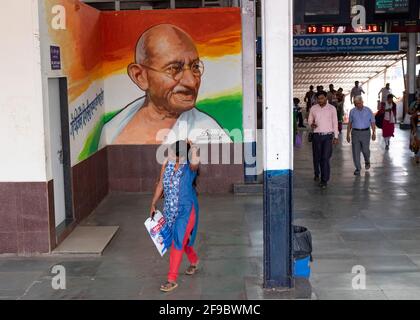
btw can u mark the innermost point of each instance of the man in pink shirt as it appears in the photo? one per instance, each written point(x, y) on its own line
point(323, 120)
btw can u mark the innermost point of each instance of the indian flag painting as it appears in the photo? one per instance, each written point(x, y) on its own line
point(221, 90)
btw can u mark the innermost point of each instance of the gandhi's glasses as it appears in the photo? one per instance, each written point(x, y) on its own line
point(176, 70)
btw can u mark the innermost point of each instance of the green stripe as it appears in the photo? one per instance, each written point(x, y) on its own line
point(226, 110)
point(92, 142)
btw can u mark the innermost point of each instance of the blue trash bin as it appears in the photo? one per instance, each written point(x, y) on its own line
point(302, 268)
point(302, 252)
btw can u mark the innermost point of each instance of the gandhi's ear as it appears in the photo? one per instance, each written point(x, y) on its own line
point(139, 75)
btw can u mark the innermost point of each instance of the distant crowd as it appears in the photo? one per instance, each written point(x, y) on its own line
point(325, 117)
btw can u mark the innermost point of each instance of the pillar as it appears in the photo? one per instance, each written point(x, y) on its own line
point(411, 66)
point(249, 89)
point(277, 17)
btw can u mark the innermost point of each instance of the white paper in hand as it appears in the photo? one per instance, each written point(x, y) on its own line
point(159, 232)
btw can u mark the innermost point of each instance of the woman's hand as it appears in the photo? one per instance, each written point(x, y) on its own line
point(152, 211)
point(158, 191)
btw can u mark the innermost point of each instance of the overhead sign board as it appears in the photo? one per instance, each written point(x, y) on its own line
point(378, 11)
point(391, 6)
point(321, 11)
point(346, 43)
point(405, 26)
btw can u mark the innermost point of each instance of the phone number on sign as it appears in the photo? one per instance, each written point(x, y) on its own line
point(335, 41)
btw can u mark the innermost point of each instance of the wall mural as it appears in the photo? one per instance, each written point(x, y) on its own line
point(135, 75)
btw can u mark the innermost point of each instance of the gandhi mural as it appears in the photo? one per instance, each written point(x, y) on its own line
point(169, 71)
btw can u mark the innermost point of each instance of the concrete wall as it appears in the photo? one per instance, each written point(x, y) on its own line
point(24, 220)
point(21, 102)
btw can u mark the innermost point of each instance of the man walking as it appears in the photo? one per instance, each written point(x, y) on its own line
point(340, 109)
point(332, 96)
point(361, 119)
point(384, 93)
point(297, 109)
point(323, 120)
point(309, 98)
point(356, 91)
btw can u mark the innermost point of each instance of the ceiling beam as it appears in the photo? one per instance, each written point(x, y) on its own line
point(335, 65)
point(338, 72)
point(345, 60)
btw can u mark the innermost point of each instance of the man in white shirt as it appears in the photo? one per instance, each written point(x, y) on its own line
point(356, 91)
point(168, 69)
point(384, 92)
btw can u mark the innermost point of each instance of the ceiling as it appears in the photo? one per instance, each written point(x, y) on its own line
point(342, 71)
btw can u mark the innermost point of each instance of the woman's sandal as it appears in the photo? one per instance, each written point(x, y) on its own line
point(191, 270)
point(168, 286)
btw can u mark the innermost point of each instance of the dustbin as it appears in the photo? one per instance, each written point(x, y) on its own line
point(302, 252)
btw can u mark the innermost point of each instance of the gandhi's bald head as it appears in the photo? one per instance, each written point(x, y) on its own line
point(162, 52)
point(152, 37)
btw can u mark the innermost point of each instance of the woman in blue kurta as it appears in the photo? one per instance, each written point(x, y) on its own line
point(177, 184)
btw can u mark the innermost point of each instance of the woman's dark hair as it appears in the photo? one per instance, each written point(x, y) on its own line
point(181, 149)
point(390, 96)
point(296, 100)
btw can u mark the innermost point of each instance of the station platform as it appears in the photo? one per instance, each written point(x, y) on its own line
point(372, 221)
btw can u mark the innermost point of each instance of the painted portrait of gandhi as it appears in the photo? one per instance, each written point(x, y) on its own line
point(168, 69)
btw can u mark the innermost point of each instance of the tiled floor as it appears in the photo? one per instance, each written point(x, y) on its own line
point(229, 244)
point(372, 221)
